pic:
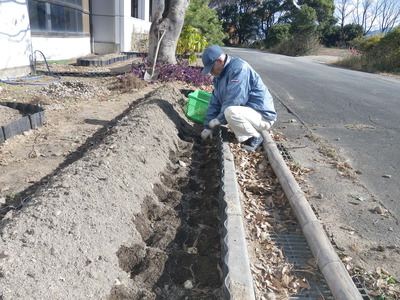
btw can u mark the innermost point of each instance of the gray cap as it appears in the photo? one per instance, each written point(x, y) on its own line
point(210, 55)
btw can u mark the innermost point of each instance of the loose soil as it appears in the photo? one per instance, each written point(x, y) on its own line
point(8, 115)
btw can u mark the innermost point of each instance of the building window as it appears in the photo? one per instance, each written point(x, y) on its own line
point(57, 17)
point(151, 11)
point(135, 9)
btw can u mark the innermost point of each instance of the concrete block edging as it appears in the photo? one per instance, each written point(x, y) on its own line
point(34, 118)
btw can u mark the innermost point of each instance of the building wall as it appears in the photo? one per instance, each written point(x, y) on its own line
point(60, 48)
point(15, 39)
point(115, 30)
point(107, 27)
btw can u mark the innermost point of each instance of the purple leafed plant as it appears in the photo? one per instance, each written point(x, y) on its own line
point(178, 72)
point(140, 69)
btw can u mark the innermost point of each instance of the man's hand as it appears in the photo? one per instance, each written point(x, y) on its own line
point(213, 123)
point(206, 133)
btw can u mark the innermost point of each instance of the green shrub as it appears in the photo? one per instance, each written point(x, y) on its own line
point(297, 45)
point(390, 49)
point(190, 42)
point(302, 37)
point(277, 34)
point(393, 60)
point(368, 44)
point(201, 16)
point(380, 52)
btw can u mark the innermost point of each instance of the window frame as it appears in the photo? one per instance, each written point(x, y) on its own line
point(50, 25)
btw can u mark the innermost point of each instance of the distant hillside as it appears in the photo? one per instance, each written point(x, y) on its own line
point(374, 32)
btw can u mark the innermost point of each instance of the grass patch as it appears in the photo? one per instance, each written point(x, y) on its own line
point(328, 151)
point(359, 127)
point(365, 64)
point(315, 137)
point(52, 62)
point(352, 62)
point(67, 61)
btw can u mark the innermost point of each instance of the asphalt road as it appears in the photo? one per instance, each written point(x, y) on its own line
point(356, 111)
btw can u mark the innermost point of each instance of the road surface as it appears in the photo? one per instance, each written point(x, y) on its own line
point(336, 101)
point(357, 113)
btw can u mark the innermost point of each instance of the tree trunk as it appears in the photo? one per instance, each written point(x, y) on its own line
point(168, 16)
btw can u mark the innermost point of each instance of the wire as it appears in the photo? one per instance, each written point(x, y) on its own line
point(26, 80)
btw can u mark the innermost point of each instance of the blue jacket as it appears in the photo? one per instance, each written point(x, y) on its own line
point(238, 84)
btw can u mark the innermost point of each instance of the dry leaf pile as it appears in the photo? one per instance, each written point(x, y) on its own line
point(379, 283)
point(267, 210)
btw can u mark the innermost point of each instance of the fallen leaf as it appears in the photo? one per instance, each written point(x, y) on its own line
point(286, 279)
point(304, 284)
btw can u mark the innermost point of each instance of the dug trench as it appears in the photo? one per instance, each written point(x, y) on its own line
point(179, 254)
point(134, 216)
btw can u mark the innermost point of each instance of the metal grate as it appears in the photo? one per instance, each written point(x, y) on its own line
point(361, 288)
point(297, 253)
point(359, 285)
point(284, 152)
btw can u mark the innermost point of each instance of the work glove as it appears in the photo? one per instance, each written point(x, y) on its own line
point(213, 123)
point(206, 133)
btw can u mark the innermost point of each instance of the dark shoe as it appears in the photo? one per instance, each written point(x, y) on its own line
point(253, 143)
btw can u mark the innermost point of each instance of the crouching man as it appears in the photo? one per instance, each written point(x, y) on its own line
point(240, 99)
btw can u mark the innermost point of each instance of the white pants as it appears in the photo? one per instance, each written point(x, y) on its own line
point(246, 122)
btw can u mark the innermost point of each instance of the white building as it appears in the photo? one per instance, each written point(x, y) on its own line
point(65, 29)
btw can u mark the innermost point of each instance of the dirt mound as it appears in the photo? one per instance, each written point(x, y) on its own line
point(120, 222)
point(8, 115)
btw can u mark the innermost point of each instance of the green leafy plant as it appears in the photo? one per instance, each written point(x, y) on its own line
point(191, 42)
point(389, 279)
point(12, 196)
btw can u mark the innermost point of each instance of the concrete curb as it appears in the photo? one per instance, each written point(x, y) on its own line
point(336, 275)
point(238, 279)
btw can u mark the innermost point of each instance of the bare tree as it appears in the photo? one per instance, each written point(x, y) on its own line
point(389, 14)
point(365, 14)
point(167, 22)
point(344, 9)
